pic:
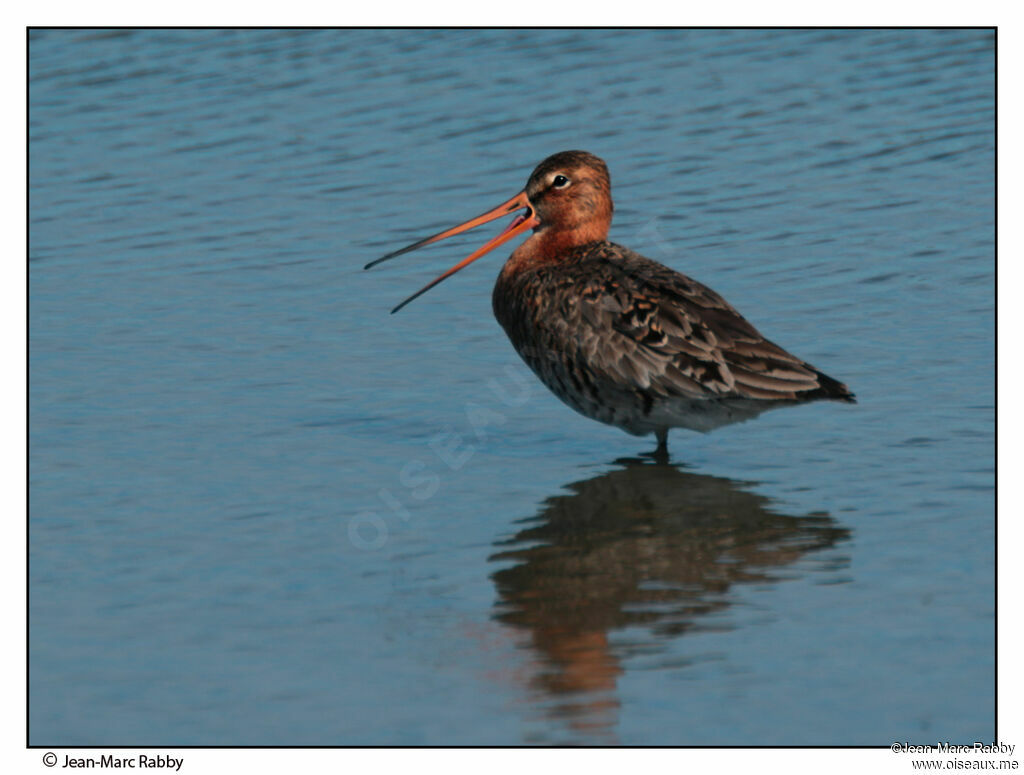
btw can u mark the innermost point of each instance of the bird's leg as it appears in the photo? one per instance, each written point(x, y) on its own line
point(662, 436)
point(661, 453)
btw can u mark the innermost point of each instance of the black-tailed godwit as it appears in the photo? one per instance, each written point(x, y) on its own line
point(618, 337)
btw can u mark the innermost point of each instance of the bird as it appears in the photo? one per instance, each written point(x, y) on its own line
point(618, 337)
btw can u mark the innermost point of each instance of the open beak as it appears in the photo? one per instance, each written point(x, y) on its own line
point(522, 222)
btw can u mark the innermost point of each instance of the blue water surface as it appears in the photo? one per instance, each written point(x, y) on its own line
point(264, 511)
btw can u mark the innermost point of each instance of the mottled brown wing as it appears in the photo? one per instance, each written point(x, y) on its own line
point(638, 322)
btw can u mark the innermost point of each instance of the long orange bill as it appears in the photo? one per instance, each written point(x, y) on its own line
point(517, 227)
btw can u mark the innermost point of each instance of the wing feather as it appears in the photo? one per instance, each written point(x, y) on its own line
point(633, 324)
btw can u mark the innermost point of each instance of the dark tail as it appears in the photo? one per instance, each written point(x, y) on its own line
point(831, 389)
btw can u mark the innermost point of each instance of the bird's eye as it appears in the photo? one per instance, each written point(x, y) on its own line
point(560, 181)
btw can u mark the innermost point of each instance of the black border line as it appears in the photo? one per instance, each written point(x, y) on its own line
point(172, 748)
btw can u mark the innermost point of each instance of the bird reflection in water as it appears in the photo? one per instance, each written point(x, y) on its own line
point(646, 545)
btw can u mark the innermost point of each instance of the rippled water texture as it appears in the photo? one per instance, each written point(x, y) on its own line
point(264, 511)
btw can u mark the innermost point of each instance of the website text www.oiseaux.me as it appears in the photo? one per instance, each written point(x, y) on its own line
point(947, 749)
